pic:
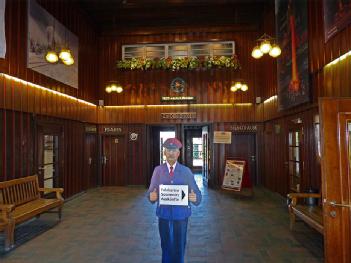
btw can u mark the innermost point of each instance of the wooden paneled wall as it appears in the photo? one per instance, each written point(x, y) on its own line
point(18, 153)
point(22, 105)
point(209, 86)
point(17, 135)
point(15, 63)
point(331, 81)
point(221, 152)
point(276, 152)
point(150, 115)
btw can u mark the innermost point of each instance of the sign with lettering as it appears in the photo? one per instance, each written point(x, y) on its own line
point(178, 99)
point(243, 128)
point(91, 129)
point(173, 194)
point(178, 115)
point(222, 137)
point(233, 176)
point(112, 130)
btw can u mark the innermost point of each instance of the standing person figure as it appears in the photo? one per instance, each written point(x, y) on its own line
point(173, 219)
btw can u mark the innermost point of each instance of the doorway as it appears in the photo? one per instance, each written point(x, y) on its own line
point(193, 148)
point(243, 146)
point(113, 160)
point(49, 155)
point(196, 151)
point(157, 135)
point(90, 161)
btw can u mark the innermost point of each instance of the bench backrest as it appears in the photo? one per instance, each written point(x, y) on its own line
point(19, 191)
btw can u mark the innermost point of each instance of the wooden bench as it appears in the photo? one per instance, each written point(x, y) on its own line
point(312, 215)
point(22, 199)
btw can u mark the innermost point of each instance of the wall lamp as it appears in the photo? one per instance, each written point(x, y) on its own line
point(114, 86)
point(266, 44)
point(239, 85)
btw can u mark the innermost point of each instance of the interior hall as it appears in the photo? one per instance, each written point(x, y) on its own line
point(198, 131)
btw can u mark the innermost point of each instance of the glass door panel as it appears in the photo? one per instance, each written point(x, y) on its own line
point(295, 159)
point(50, 161)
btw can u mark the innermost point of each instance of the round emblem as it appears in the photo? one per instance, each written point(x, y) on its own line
point(133, 136)
point(178, 85)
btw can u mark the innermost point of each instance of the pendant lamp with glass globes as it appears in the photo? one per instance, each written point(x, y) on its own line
point(266, 45)
point(239, 85)
point(114, 86)
point(64, 56)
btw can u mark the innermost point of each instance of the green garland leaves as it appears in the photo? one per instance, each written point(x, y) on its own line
point(174, 64)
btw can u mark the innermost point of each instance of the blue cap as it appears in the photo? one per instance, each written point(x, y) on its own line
point(172, 143)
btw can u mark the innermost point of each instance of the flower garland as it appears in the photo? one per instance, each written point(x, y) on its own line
point(178, 63)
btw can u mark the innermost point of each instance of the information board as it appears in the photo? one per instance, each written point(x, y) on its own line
point(173, 194)
point(233, 175)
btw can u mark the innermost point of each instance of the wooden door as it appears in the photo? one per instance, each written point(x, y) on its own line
point(205, 154)
point(192, 151)
point(295, 158)
point(335, 116)
point(50, 156)
point(244, 147)
point(113, 160)
point(90, 161)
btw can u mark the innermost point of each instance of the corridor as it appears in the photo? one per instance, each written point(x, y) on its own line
point(118, 224)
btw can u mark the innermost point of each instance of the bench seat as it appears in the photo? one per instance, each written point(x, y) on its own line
point(312, 215)
point(22, 199)
point(29, 210)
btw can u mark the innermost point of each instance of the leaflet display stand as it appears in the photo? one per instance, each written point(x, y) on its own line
point(236, 175)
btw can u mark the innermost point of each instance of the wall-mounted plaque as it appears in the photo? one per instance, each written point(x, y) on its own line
point(178, 115)
point(90, 129)
point(133, 136)
point(111, 130)
point(243, 128)
point(183, 99)
point(178, 85)
point(222, 137)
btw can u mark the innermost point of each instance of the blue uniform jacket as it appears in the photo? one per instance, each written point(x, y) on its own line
point(182, 176)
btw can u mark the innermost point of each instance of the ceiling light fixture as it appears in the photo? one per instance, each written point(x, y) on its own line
point(239, 85)
point(266, 45)
point(114, 86)
point(52, 55)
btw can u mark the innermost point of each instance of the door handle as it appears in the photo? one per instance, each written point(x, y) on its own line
point(334, 204)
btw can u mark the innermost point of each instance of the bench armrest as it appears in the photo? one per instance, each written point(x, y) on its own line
point(295, 196)
point(5, 212)
point(58, 191)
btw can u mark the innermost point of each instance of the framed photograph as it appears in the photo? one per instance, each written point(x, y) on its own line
point(337, 15)
point(45, 32)
point(292, 37)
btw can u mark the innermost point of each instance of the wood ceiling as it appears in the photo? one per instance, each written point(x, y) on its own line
point(117, 15)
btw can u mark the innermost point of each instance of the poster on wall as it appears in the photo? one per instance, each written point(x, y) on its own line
point(2, 29)
point(292, 37)
point(337, 15)
point(44, 33)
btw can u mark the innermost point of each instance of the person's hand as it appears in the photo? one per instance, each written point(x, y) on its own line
point(153, 195)
point(192, 196)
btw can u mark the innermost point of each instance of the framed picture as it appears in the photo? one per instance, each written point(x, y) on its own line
point(44, 33)
point(337, 15)
point(292, 37)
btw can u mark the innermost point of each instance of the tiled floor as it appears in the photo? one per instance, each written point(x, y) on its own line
point(118, 224)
